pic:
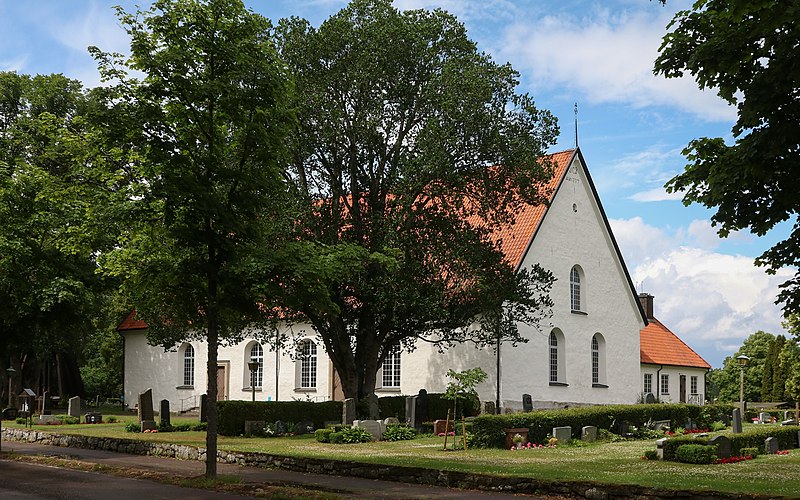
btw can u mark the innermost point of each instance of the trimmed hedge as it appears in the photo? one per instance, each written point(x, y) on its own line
point(232, 414)
point(753, 438)
point(488, 429)
point(395, 406)
point(696, 453)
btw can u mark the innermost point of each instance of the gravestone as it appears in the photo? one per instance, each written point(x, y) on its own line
point(93, 418)
point(163, 413)
point(391, 421)
point(10, 413)
point(589, 433)
point(254, 427)
point(489, 408)
point(74, 407)
point(281, 428)
point(441, 426)
point(527, 404)
point(48, 420)
point(787, 414)
point(649, 398)
point(660, 447)
point(148, 425)
point(726, 419)
point(46, 403)
point(723, 445)
point(411, 413)
point(661, 425)
point(204, 407)
point(737, 421)
point(771, 445)
point(145, 409)
point(348, 411)
point(304, 427)
point(690, 425)
point(372, 402)
point(422, 408)
point(563, 434)
point(374, 427)
point(764, 417)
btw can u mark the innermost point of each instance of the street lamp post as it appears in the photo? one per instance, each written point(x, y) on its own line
point(742, 359)
point(253, 365)
point(10, 372)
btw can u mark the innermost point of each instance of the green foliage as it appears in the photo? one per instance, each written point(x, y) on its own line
point(462, 386)
point(651, 454)
point(399, 433)
point(353, 434)
point(790, 358)
point(232, 414)
point(753, 438)
point(741, 49)
point(133, 427)
point(336, 437)
point(718, 426)
point(696, 454)
point(489, 432)
point(323, 435)
point(773, 382)
point(756, 347)
point(749, 451)
point(390, 161)
point(21, 420)
point(395, 406)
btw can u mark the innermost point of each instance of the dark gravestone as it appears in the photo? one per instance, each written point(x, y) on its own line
point(726, 419)
point(93, 418)
point(527, 404)
point(280, 428)
point(771, 445)
point(736, 421)
point(649, 398)
point(163, 414)
point(422, 408)
point(723, 445)
point(46, 403)
point(489, 408)
point(74, 408)
point(348, 411)
point(146, 406)
point(304, 427)
point(10, 413)
point(204, 407)
point(411, 411)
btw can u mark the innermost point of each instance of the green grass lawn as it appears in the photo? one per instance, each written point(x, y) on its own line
point(618, 463)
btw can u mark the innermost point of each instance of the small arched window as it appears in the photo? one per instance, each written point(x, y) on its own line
point(553, 357)
point(257, 355)
point(575, 291)
point(308, 365)
point(188, 365)
point(556, 355)
point(598, 360)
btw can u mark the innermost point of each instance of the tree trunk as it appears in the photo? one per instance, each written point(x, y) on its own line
point(211, 411)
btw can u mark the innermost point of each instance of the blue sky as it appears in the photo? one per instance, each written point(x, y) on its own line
point(632, 127)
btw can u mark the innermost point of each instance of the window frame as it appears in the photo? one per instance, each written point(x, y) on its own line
point(664, 383)
point(308, 365)
point(188, 360)
point(647, 383)
point(693, 385)
point(259, 379)
point(577, 292)
point(390, 369)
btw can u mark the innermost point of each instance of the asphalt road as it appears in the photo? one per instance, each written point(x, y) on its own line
point(27, 481)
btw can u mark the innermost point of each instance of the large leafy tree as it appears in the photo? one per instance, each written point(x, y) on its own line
point(756, 347)
point(204, 187)
point(49, 290)
point(747, 52)
point(413, 147)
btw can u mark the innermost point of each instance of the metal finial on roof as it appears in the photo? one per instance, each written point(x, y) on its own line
point(576, 124)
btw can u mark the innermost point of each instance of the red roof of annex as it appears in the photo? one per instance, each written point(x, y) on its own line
point(659, 346)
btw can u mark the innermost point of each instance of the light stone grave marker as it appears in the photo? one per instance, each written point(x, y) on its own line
point(374, 427)
point(764, 417)
point(589, 433)
point(391, 421)
point(563, 434)
point(660, 447)
point(74, 407)
point(771, 445)
point(411, 410)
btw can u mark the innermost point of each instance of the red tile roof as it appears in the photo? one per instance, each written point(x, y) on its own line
point(131, 323)
point(659, 346)
point(515, 238)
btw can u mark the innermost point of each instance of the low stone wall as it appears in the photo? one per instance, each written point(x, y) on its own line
point(411, 475)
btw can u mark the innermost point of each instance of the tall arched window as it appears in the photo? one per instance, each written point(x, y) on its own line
point(308, 365)
point(391, 368)
point(598, 360)
point(575, 293)
point(188, 365)
point(257, 354)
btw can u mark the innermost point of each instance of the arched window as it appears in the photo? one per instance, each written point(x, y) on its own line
point(257, 355)
point(557, 361)
point(308, 365)
point(598, 360)
point(391, 368)
point(575, 292)
point(188, 365)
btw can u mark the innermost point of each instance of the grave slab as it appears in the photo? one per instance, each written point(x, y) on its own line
point(563, 434)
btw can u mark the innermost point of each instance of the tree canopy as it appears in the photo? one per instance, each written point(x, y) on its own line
point(412, 148)
point(747, 52)
point(204, 187)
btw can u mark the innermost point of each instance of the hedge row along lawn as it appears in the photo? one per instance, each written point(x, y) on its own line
point(616, 463)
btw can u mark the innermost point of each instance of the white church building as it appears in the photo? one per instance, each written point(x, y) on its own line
point(603, 345)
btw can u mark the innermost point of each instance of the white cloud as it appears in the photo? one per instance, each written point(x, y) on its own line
point(713, 301)
point(464, 10)
point(655, 194)
point(17, 64)
point(609, 58)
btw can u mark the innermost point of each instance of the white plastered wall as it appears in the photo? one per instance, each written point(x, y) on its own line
point(674, 382)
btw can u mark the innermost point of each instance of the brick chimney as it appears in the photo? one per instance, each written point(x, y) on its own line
point(647, 304)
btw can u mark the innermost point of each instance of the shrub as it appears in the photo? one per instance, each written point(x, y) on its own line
point(133, 427)
point(66, 419)
point(336, 437)
point(651, 454)
point(111, 419)
point(749, 451)
point(22, 420)
point(696, 453)
point(232, 414)
point(199, 426)
point(395, 406)
point(165, 428)
point(399, 433)
point(352, 435)
point(182, 427)
point(719, 425)
point(753, 438)
point(323, 435)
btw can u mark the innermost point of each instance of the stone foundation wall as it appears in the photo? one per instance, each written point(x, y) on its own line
point(411, 475)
